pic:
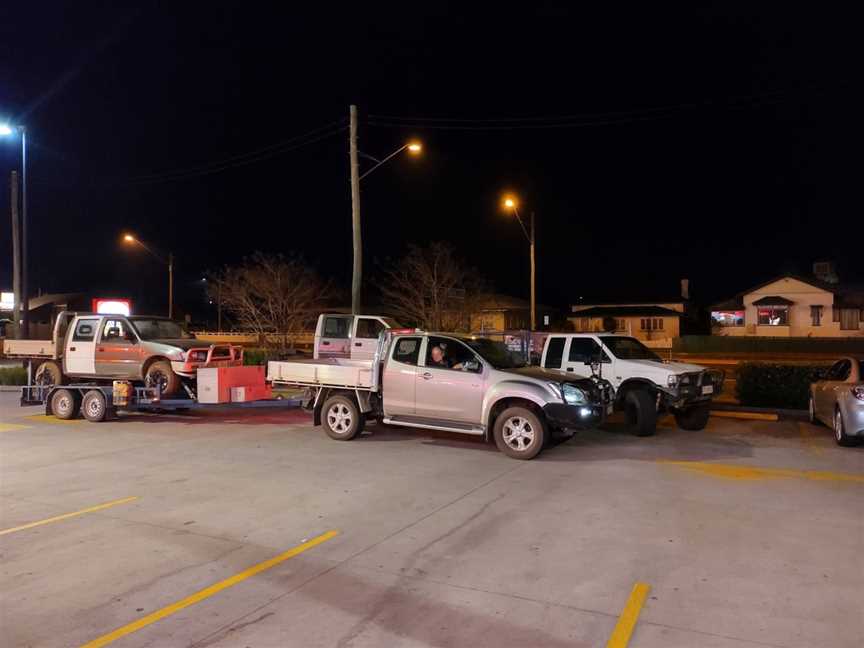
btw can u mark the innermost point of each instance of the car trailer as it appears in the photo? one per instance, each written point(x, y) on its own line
point(102, 402)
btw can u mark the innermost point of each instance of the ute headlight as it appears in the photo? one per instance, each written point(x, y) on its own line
point(672, 380)
point(573, 395)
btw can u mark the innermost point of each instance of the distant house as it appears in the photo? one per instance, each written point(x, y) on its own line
point(497, 312)
point(657, 320)
point(794, 306)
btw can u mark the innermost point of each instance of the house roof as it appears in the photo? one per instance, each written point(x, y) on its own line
point(846, 294)
point(627, 311)
point(773, 300)
point(501, 302)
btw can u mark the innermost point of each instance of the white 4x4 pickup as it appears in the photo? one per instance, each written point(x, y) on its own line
point(644, 383)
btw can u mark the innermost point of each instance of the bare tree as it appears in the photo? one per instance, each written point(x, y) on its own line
point(273, 296)
point(431, 288)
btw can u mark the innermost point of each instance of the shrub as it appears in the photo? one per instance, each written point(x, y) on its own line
point(13, 376)
point(764, 384)
point(255, 356)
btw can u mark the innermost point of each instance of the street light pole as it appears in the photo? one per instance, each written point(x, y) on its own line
point(511, 203)
point(357, 271)
point(25, 292)
point(128, 238)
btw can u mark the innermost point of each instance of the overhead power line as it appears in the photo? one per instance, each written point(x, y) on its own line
point(242, 159)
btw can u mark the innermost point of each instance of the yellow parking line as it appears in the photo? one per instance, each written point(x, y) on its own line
point(207, 592)
point(629, 616)
point(737, 472)
point(44, 418)
point(66, 516)
point(11, 427)
point(746, 416)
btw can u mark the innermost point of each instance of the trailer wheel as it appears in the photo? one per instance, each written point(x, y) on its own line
point(48, 374)
point(341, 418)
point(94, 406)
point(160, 374)
point(64, 404)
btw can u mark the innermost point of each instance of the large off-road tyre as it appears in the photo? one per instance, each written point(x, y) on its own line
point(49, 373)
point(342, 418)
point(162, 375)
point(94, 406)
point(694, 417)
point(640, 412)
point(64, 404)
point(519, 433)
point(840, 435)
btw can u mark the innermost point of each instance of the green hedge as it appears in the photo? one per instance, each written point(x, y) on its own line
point(756, 344)
point(13, 376)
point(255, 356)
point(763, 384)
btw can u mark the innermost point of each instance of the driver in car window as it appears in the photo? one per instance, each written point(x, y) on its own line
point(439, 359)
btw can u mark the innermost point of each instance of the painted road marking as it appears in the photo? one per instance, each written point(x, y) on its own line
point(745, 416)
point(44, 418)
point(629, 616)
point(12, 427)
point(66, 516)
point(730, 471)
point(207, 592)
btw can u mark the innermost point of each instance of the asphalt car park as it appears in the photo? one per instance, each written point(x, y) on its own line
point(252, 528)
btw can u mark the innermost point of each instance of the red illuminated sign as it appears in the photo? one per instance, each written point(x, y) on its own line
point(112, 306)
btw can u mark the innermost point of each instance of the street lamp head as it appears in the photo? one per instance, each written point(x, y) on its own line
point(5, 129)
point(510, 202)
point(415, 147)
point(128, 238)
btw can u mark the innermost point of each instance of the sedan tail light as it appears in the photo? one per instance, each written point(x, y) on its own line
point(858, 392)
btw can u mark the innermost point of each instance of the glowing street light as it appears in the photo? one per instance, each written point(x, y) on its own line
point(511, 203)
point(129, 238)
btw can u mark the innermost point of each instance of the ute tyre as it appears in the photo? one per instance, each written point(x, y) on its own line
point(64, 404)
point(49, 373)
point(640, 412)
point(840, 435)
point(693, 418)
point(160, 373)
point(341, 418)
point(94, 406)
point(519, 433)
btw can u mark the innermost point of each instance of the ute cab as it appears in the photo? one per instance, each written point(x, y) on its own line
point(349, 336)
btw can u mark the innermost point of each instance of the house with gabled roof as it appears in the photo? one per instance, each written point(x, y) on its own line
point(794, 306)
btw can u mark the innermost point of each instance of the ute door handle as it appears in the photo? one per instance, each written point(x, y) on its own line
point(426, 376)
point(71, 348)
point(358, 344)
point(570, 369)
point(325, 343)
point(100, 350)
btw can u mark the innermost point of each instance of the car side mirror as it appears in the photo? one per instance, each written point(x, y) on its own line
point(473, 366)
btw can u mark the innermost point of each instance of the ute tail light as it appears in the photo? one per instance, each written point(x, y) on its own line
point(858, 392)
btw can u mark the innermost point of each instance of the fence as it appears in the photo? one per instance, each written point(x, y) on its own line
point(767, 345)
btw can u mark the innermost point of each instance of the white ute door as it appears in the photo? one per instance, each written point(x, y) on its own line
point(80, 356)
point(364, 342)
point(582, 350)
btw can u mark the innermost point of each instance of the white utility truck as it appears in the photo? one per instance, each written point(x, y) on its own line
point(349, 336)
point(644, 383)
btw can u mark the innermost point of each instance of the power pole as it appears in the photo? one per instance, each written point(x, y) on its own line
point(16, 257)
point(533, 280)
point(25, 292)
point(357, 274)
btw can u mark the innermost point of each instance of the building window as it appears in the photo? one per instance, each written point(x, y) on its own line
point(816, 315)
point(850, 319)
point(651, 323)
point(774, 316)
point(620, 325)
point(727, 318)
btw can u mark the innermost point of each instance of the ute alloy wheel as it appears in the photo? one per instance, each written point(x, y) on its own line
point(342, 419)
point(519, 433)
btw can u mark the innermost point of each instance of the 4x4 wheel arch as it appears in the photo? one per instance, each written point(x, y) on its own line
point(495, 410)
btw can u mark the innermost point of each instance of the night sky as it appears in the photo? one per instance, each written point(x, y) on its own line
point(653, 143)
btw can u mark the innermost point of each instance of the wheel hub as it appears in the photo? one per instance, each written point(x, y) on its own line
point(339, 418)
point(518, 433)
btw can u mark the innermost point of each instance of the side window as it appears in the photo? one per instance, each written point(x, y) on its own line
point(336, 327)
point(844, 368)
point(585, 350)
point(85, 330)
point(446, 353)
point(368, 328)
point(113, 331)
point(554, 353)
point(407, 350)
